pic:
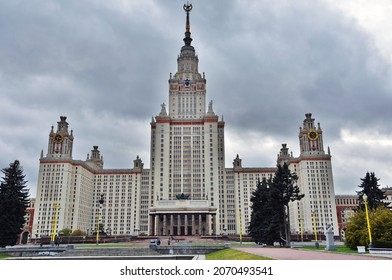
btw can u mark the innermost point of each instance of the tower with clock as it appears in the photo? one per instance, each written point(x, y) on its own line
point(314, 170)
point(311, 137)
point(60, 142)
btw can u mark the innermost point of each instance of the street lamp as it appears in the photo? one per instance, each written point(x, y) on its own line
point(54, 224)
point(365, 201)
point(101, 201)
point(301, 229)
point(314, 225)
point(240, 227)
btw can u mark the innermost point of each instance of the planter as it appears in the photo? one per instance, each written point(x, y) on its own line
point(361, 249)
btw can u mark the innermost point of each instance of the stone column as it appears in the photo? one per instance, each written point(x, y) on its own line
point(193, 224)
point(156, 225)
point(171, 224)
point(151, 222)
point(213, 217)
point(186, 224)
point(208, 224)
point(164, 224)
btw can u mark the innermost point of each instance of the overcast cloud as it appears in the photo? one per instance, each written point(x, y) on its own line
point(105, 65)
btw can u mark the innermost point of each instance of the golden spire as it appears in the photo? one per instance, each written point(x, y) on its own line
point(187, 39)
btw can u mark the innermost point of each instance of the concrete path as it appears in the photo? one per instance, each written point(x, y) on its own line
point(298, 254)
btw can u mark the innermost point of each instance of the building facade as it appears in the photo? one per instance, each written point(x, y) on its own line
point(388, 196)
point(346, 205)
point(187, 190)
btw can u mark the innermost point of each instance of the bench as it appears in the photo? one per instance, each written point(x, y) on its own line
point(384, 251)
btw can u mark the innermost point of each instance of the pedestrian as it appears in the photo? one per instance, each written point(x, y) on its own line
point(57, 241)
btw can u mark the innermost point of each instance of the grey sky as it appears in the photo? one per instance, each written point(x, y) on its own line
point(105, 65)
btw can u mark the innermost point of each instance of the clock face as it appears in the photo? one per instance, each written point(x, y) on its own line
point(58, 138)
point(312, 135)
point(187, 82)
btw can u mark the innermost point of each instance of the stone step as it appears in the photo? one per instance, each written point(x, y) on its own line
point(109, 252)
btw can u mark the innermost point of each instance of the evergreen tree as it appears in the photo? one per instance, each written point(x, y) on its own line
point(266, 217)
point(269, 203)
point(286, 190)
point(370, 187)
point(13, 203)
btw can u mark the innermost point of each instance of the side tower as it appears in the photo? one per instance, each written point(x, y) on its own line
point(65, 186)
point(311, 138)
point(187, 154)
point(60, 142)
point(317, 209)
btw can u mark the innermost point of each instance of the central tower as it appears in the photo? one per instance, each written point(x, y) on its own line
point(187, 153)
point(187, 88)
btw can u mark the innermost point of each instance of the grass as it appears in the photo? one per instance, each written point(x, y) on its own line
point(339, 249)
point(232, 254)
point(4, 256)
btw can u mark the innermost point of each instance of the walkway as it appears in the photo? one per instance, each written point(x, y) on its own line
point(299, 254)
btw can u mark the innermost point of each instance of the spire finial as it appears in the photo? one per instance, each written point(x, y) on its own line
point(187, 39)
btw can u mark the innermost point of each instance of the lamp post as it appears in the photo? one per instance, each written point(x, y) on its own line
point(54, 225)
point(301, 229)
point(99, 217)
point(314, 226)
point(365, 201)
point(316, 244)
point(240, 227)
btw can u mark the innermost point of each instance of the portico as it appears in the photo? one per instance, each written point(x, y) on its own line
point(182, 217)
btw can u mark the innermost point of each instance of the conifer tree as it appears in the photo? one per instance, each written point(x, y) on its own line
point(370, 187)
point(13, 203)
point(285, 185)
point(266, 217)
point(269, 222)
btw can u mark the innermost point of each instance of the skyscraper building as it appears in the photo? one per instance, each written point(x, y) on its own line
point(187, 190)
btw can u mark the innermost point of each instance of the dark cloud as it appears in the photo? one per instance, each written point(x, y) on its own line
point(106, 65)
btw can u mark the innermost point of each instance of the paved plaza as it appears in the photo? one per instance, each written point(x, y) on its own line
point(300, 254)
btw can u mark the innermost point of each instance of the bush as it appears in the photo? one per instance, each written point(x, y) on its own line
point(78, 232)
point(381, 228)
point(382, 244)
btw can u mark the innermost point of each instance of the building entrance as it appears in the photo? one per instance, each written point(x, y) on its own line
point(194, 217)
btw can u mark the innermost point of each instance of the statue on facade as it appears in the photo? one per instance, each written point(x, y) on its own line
point(182, 196)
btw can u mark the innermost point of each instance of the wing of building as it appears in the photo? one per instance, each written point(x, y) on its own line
point(187, 190)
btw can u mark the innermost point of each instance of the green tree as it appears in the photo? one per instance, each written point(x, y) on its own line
point(269, 218)
point(266, 217)
point(13, 203)
point(285, 184)
point(65, 232)
point(78, 232)
point(380, 223)
point(370, 187)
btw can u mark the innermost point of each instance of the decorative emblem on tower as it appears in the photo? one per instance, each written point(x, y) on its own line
point(187, 39)
point(187, 7)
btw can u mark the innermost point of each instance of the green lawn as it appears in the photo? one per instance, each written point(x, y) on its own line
point(232, 254)
point(339, 249)
point(3, 256)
